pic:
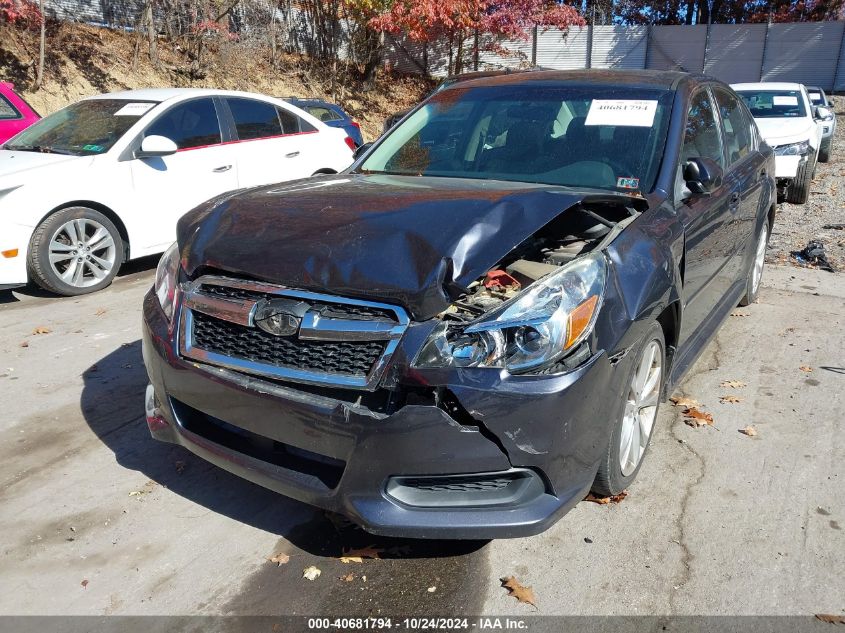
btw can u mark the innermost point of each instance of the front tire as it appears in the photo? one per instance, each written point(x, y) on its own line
point(799, 189)
point(74, 252)
point(632, 434)
point(755, 272)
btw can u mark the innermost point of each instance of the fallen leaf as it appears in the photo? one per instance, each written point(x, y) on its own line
point(683, 401)
point(729, 399)
point(41, 330)
point(432, 589)
point(736, 313)
point(605, 500)
point(522, 594)
point(732, 384)
point(311, 573)
point(25, 344)
point(358, 555)
point(84, 584)
point(749, 430)
point(831, 618)
point(280, 559)
point(696, 418)
point(135, 493)
point(805, 368)
point(100, 312)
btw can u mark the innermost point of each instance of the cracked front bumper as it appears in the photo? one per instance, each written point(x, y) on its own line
point(530, 445)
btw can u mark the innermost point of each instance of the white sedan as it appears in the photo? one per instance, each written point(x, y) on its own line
point(786, 120)
point(106, 179)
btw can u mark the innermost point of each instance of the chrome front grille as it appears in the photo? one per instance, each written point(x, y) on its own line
point(330, 340)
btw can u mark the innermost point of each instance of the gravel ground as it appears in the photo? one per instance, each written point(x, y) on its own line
point(798, 224)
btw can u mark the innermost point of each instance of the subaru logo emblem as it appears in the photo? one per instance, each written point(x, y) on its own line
point(279, 317)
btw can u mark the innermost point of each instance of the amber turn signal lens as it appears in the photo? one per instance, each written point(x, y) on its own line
point(579, 320)
point(10, 253)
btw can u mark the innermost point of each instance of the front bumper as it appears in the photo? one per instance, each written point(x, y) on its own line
point(525, 450)
point(13, 269)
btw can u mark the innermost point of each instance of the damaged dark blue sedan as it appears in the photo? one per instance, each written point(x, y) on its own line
point(474, 325)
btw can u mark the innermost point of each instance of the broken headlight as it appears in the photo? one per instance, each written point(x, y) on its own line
point(534, 329)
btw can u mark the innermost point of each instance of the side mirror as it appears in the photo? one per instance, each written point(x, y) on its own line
point(361, 150)
point(822, 113)
point(703, 175)
point(156, 146)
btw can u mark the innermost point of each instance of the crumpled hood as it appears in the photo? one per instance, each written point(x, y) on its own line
point(782, 130)
point(399, 240)
point(18, 168)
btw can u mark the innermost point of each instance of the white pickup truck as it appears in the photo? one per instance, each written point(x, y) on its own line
point(787, 122)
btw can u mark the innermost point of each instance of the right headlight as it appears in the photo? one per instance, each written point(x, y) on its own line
point(793, 149)
point(167, 278)
point(534, 329)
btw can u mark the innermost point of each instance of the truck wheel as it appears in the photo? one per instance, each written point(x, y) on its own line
point(75, 251)
point(630, 437)
point(799, 191)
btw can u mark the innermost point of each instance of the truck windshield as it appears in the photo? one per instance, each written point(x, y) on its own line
point(603, 137)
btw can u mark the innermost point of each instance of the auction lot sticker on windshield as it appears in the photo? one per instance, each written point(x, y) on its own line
point(816, 96)
point(625, 112)
point(785, 100)
point(134, 109)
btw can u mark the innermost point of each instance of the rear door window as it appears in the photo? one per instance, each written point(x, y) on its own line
point(190, 125)
point(7, 110)
point(737, 135)
point(255, 119)
point(292, 124)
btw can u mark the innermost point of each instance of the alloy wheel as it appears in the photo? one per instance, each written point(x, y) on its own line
point(641, 407)
point(82, 252)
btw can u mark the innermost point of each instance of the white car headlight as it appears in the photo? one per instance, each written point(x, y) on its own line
point(167, 278)
point(534, 329)
point(793, 149)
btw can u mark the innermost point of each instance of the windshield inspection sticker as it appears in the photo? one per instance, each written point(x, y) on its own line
point(628, 183)
point(134, 109)
point(785, 100)
point(626, 112)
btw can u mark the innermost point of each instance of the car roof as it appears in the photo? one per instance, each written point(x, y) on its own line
point(767, 85)
point(667, 79)
point(165, 94)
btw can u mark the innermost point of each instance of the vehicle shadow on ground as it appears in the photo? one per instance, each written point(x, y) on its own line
point(33, 290)
point(112, 403)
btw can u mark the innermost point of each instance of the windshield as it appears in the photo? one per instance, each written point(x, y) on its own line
point(84, 128)
point(816, 96)
point(577, 136)
point(766, 104)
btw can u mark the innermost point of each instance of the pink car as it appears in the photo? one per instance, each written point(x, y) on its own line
point(15, 113)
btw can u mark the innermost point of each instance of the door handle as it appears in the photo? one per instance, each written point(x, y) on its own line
point(220, 170)
point(292, 155)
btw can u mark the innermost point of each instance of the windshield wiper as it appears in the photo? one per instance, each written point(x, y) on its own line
point(39, 148)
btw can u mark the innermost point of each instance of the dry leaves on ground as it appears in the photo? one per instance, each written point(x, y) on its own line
point(84, 583)
point(831, 618)
point(733, 384)
point(280, 559)
point(311, 573)
point(606, 500)
point(696, 417)
point(729, 399)
point(100, 312)
point(41, 330)
point(806, 368)
point(749, 430)
point(523, 594)
point(737, 313)
point(358, 555)
point(683, 401)
point(347, 578)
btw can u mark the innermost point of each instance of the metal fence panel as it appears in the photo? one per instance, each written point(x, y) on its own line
point(518, 54)
point(677, 47)
point(735, 52)
point(619, 47)
point(555, 51)
point(804, 52)
point(839, 82)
